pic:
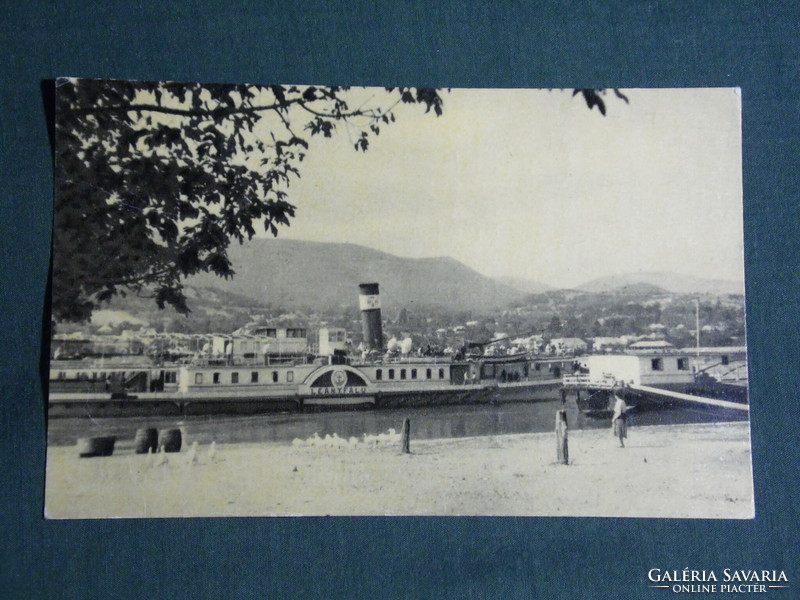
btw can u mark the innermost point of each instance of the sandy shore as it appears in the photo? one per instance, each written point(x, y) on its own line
point(695, 471)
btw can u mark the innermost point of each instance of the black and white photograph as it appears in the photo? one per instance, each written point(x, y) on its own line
point(302, 300)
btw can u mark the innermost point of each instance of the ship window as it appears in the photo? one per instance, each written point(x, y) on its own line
point(413, 373)
point(683, 364)
point(391, 373)
point(216, 377)
point(657, 364)
point(725, 359)
point(379, 374)
point(274, 377)
point(427, 373)
point(254, 377)
point(289, 376)
point(170, 377)
point(198, 379)
point(441, 373)
point(402, 373)
point(538, 367)
point(234, 378)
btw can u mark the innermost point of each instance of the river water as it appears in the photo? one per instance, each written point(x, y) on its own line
point(426, 423)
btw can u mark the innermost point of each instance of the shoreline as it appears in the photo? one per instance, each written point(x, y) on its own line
point(671, 471)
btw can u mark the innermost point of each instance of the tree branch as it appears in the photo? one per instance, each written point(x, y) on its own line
point(218, 112)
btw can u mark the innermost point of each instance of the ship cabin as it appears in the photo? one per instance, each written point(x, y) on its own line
point(408, 371)
point(724, 363)
point(660, 369)
point(332, 340)
point(283, 339)
point(238, 347)
point(260, 344)
point(505, 369)
point(110, 378)
point(293, 379)
point(279, 378)
point(511, 369)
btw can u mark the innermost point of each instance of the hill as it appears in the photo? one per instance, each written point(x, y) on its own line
point(526, 286)
point(293, 273)
point(667, 281)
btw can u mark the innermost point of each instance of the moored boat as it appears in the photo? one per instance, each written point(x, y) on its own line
point(253, 384)
point(195, 389)
point(650, 377)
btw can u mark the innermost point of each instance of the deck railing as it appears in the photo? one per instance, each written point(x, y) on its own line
point(606, 382)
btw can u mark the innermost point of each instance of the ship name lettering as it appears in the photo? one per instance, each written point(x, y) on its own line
point(322, 391)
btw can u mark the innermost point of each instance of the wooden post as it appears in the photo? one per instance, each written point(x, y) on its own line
point(406, 435)
point(562, 445)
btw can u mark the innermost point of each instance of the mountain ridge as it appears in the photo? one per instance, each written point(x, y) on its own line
point(668, 281)
point(296, 273)
point(301, 273)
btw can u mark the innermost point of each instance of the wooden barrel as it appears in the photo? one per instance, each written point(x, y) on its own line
point(146, 440)
point(96, 446)
point(170, 440)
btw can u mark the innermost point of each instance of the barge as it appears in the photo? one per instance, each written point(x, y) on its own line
point(655, 378)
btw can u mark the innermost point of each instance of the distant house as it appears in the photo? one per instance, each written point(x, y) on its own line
point(569, 345)
point(531, 343)
point(651, 346)
point(605, 344)
point(501, 339)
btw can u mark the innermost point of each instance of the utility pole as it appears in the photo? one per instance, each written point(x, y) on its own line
point(697, 325)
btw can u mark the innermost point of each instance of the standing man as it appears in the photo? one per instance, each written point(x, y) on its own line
point(619, 420)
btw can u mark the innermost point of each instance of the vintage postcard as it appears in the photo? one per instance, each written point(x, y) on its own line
point(274, 300)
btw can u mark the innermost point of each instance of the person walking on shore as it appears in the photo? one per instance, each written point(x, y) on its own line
point(619, 420)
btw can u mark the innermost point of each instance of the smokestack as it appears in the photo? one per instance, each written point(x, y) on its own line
point(369, 302)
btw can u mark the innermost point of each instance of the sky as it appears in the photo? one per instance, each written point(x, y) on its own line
point(531, 184)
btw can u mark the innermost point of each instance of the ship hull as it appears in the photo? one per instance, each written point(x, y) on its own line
point(164, 404)
point(599, 402)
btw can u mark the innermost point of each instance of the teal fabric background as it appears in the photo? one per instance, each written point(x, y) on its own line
point(620, 43)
